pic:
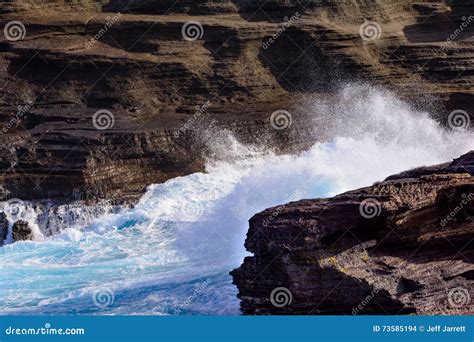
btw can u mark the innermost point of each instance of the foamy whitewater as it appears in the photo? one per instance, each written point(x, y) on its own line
point(171, 253)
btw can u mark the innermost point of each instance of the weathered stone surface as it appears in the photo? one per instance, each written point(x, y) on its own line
point(150, 78)
point(21, 231)
point(400, 246)
point(463, 164)
point(3, 227)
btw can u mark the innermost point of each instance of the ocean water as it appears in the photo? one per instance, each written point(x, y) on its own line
point(171, 253)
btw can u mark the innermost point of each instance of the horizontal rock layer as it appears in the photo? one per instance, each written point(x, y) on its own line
point(401, 246)
point(130, 58)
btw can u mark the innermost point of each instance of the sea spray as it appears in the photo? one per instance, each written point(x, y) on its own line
point(191, 229)
point(46, 218)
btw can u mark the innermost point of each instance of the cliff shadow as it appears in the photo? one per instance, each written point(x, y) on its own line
point(435, 26)
point(297, 64)
point(164, 7)
point(270, 11)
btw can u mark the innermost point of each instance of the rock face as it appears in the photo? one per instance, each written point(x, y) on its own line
point(21, 231)
point(401, 246)
point(129, 62)
point(3, 227)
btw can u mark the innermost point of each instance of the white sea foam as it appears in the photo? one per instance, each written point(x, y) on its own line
point(190, 230)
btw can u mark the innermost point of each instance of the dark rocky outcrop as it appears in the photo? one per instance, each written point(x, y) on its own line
point(22, 231)
point(401, 246)
point(3, 227)
point(463, 164)
point(151, 79)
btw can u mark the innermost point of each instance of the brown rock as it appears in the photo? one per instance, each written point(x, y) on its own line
point(3, 227)
point(400, 246)
point(150, 78)
point(21, 231)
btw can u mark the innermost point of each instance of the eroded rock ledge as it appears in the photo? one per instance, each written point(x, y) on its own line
point(151, 79)
point(401, 246)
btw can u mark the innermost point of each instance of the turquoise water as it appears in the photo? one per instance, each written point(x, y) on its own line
point(171, 253)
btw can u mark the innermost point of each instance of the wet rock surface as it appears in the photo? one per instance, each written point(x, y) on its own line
point(3, 227)
point(401, 246)
point(22, 231)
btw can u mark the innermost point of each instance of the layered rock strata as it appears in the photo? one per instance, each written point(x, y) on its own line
point(130, 60)
point(401, 246)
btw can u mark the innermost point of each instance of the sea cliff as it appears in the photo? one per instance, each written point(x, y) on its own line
point(401, 246)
